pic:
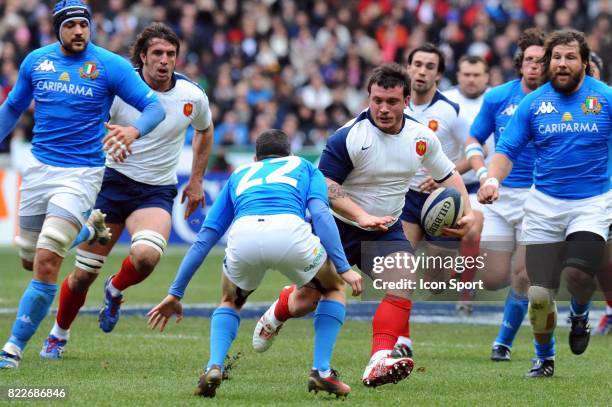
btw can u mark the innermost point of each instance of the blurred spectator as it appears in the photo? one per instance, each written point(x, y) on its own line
point(301, 65)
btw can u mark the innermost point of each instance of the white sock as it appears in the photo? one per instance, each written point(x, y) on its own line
point(92, 233)
point(272, 318)
point(114, 292)
point(325, 373)
point(403, 340)
point(59, 332)
point(608, 310)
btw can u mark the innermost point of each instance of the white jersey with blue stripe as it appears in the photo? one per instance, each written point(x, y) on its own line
point(272, 186)
point(155, 157)
point(73, 95)
point(498, 106)
point(571, 134)
point(442, 117)
point(375, 168)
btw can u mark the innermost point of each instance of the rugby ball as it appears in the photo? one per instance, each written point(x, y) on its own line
point(442, 209)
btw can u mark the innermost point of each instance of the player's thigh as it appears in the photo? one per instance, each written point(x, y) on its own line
point(399, 274)
point(153, 218)
point(413, 232)
point(327, 278)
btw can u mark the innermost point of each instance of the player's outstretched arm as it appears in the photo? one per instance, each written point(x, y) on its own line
point(194, 191)
point(342, 204)
point(161, 313)
point(8, 120)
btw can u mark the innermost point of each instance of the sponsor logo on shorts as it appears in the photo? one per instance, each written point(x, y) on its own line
point(319, 257)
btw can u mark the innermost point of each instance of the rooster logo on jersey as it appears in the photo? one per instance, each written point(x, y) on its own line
point(421, 147)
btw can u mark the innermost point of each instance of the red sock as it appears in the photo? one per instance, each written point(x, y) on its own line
point(281, 311)
point(127, 276)
point(69, 305)
point(609, 302)
point(392, 319)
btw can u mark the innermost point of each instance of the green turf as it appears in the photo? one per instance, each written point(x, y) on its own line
point(134, 366)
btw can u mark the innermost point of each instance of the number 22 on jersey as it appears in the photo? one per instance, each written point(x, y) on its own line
point(279, 175)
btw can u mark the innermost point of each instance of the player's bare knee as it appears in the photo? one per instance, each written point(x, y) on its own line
point(303, 301)
point(144, 258)
point(47, 265)
point(56, 235)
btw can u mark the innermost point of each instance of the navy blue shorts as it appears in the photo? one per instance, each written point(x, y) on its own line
point(121, 195)
point(411, 213)
point(381, 244)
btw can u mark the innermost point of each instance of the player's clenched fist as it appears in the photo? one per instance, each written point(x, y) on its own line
point(488, 192)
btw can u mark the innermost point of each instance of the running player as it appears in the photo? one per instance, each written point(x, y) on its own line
point(502, 223)
point(138, 191)
point(368, 164)
point(73, 83)
point(569, 121)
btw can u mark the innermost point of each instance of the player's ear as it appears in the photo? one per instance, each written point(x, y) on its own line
point(143, 57)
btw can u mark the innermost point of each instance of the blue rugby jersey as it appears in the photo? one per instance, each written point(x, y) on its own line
point(571, 135)
point(498, 106)
point(269, 187)
point(73, 95)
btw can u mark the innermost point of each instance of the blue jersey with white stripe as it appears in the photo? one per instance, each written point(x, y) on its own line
point(571, 135)
point(498, 106)
point(73, 94)
point(269, 187)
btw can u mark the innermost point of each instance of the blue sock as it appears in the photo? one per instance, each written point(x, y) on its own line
point(223, 329)
point(328, 320)
point(515, 309)
point(83, 236)
point(545, 351)
point(33, 308)
point(579, 309)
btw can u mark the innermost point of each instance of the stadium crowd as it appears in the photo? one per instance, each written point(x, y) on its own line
point(300, 65)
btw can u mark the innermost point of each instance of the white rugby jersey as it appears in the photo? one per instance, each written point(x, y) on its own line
point(442, 117)
point(469, 111)
point(375, 168)
point(155, 156)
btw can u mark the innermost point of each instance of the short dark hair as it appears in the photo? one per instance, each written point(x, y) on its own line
point(272, 143)
point(564, 37)
point(143, 41)
point(430, 48)
point(528, 38)
point(472, 60)
point(390, 76)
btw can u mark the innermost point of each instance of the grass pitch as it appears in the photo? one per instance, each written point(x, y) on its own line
point(135, 366)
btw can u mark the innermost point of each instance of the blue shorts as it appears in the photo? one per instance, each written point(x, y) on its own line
point(121, 195)
point(382, 244)
point(411, 213)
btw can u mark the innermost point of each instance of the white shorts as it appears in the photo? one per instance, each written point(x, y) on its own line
point(279, 242)
point(503, 219)
point(549, 220)
point(71, 188)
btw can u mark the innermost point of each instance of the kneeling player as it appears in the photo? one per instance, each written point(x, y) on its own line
point(265, 203)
